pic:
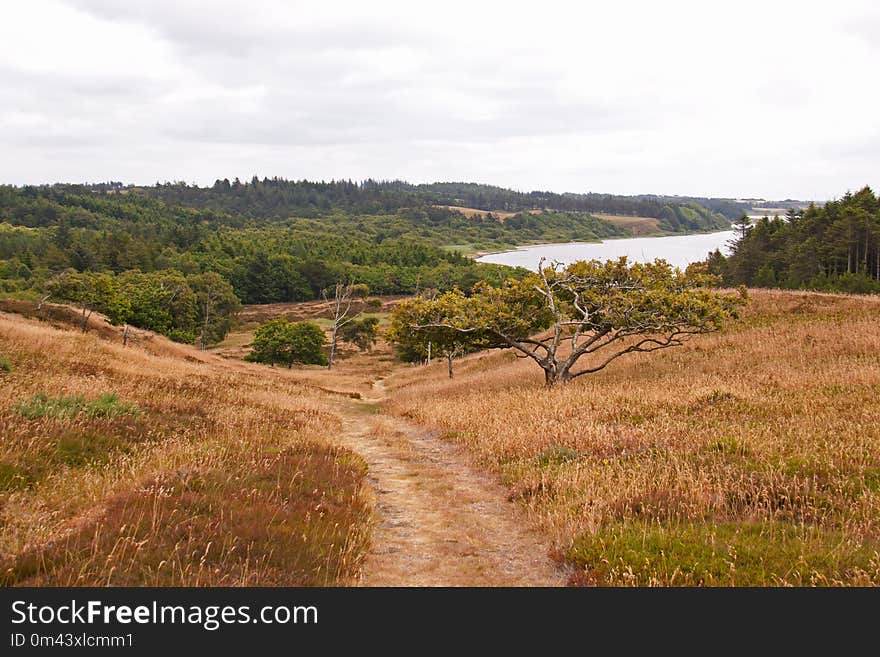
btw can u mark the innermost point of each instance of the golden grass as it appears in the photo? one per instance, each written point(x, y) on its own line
point(749, 457)
point(635, 225)
point(500, 215)
point(237, 343)
point(225, 474)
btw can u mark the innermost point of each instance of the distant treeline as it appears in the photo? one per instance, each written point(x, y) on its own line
point(280, 198)
point(44, 231)
point(835, 247)
point(277, 240)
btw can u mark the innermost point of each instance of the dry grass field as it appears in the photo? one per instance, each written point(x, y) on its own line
point(123, 467)
point(637, 226)
point(749, 457)
point(237, 343)
point(500, 215)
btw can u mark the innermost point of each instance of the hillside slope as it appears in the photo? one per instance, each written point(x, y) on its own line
point(124, 467)
point(749, 457)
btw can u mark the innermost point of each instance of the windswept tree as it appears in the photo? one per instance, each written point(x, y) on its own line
point(577, 320)
point(339, 299)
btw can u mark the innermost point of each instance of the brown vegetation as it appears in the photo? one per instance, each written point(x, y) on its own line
point(500, 215)
point(746, 457)
point(637, 226)
point(750, 456)
point(199, 471)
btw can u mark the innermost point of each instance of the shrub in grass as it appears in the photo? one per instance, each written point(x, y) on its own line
point(557, 455)
point(723, 554)
point(78, 449)
point(13, 477)
point(107, 406)
point(5, 364)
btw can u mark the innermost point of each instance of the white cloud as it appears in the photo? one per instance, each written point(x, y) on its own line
point(745, 99)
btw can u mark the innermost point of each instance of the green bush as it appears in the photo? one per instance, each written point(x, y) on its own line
point(5, 364)
point(13, 477)
point(107, 405)
point(281, 341)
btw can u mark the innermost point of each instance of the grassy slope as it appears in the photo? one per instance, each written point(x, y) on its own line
point(200, 472)
point(636, 226)
point(750, 457)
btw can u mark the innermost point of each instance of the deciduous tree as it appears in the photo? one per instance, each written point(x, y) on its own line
point(285, 342)
point(339, 299)
point(216, 305)
point(577, 320)
point(92, 292)
point(361, 332)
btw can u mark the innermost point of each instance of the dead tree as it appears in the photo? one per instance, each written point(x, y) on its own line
point(339, 300)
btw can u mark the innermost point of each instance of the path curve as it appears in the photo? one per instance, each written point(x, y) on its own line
point(440, 521)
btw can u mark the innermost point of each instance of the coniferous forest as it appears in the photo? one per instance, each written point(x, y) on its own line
point(835, 247)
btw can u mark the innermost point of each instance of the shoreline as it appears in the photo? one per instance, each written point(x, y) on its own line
point(481, 254)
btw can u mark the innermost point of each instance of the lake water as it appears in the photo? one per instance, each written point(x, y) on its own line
point(678, 250)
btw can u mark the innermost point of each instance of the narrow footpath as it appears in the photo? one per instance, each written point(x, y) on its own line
point(440, 521)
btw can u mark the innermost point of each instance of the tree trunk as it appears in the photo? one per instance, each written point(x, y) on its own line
point(449, 358)
point(555, 374)
point(332, 348)
point(125, 336)
point(204, 337)
point(84, 325)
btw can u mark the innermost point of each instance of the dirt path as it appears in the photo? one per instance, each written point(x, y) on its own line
point(440, 521)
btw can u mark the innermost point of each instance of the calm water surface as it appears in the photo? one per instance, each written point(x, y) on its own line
point(678, 250)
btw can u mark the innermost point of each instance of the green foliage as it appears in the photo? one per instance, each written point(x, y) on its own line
point(277, 197)
point(13, 477)
point(277, 241)
point(557, 455)
point(166, 301)
point(361, 332)
point(422, 321)
point(107, 405)
point(160, 301)
point(93, 292)
point(835, 247)
point(723, 554)
point(285, 342)
point(5, 364)
point(591, 305)
point(372, 304)
point(215, 305)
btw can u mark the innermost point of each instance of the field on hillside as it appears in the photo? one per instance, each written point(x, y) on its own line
point(500, 215)
point(237, 343)
point(638, 226)
point(123, 467)
point(749, 457)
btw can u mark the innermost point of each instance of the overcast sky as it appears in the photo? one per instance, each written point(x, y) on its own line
point(768, 99)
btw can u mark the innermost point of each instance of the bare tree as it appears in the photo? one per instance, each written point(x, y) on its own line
point(339, 300)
